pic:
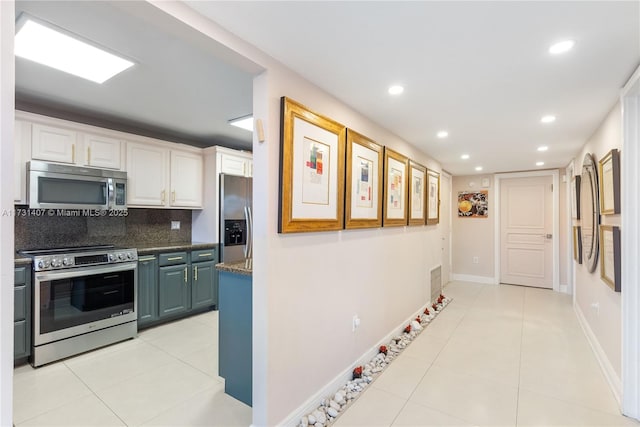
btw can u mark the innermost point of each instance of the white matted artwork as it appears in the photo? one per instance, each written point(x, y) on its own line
point(312, 171)
point(395, 201)
point(395, 208)
point(417, 192)
point(363, 183)
point(363, 207)
point(313, 167)
point(433, 197)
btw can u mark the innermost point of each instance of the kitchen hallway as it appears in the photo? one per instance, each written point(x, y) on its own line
point(166, 377)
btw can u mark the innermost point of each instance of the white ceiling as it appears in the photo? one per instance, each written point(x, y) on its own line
point(184, 87)
point(477, 69)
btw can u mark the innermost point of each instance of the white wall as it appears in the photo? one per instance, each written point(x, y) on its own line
point(7, 84)
point(316, 282)
point(604, 323)
point(308, 286)
point(473, 237)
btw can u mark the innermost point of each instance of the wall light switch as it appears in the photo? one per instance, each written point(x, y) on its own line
point(175, 225)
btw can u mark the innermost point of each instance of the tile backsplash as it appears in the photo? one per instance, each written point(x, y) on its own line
point(141, 227)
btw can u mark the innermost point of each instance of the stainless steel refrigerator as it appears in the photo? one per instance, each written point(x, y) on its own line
point(236, 223)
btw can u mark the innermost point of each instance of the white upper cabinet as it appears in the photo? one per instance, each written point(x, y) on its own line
point(53, 144)
point(163, 177)
point(186, 179)
point(146, 175)
point(21, 133)
point(232, 164)
point(60, 141)
point(102, 151)
point(160, 174)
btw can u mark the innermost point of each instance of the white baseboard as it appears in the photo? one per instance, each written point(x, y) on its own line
point(476, 279)
point(607, 369)
point(293, 419)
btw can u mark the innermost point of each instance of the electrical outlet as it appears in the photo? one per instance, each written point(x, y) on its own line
point(355, 323)
point(475, 260)
point(175, 225)
point(596, 307)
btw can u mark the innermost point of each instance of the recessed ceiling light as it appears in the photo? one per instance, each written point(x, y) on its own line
point(548, 119)
point(543, 148)
point(244, 122)
point(46, 46)
point(395, 90)
point(539, 163)
point(464, 156)
point(561, 47)
point(442, 134)
point(478, 168)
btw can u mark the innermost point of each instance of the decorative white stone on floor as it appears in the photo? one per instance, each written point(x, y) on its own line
point(331, 408)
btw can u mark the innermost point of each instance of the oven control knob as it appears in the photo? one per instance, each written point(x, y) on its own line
point(121, 256)
point(129, 255)
point(112, 257)
point(56, 263)
point(40, 264)
point(47, 264)
point(67, 262)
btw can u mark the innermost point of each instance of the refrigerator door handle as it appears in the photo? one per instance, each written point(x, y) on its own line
point(246, 244)
point(250, 235)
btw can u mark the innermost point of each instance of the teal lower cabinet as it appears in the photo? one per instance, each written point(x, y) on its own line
point(147, 289)
point(203, 284)
point(234, 334)
point(176, 284)
point(174, 290)
point(22, 312)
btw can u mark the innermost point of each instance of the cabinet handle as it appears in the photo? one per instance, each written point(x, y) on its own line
point(151, 258)
point(162, 197)
point(73, 153)
point(173, 196)
point(89, 156)
point(185, 275)
point(195, 273)
point(174, 258)
point(207, 254)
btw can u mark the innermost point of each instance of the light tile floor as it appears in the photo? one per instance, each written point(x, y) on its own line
point(166, 377)
point(496, 356)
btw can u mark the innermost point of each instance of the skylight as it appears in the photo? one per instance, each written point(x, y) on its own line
point(44, 45)
point(244, 122)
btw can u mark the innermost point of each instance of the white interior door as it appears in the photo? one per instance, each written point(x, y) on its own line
point(526, 227)
point(445, 226)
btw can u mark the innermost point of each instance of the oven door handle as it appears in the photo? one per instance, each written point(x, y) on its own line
point(45, 276)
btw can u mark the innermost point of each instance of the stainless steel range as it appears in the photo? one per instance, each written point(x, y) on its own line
point(83, 298)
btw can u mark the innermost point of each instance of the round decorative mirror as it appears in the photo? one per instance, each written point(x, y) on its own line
point(589, 212)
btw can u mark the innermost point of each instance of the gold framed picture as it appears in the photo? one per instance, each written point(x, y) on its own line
point(610, 266)
point(417, 193)
point(363, 202)
point(312, 157)
point(433, 197)
point(395, 189)
point(609, 168)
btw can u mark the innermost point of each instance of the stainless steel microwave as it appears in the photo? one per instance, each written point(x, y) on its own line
point(56, 186)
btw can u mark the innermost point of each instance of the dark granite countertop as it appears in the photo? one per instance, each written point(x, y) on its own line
point(144, 249)
point(172, 247)
point(244, 267)
point(20, 260)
